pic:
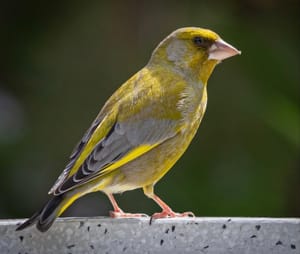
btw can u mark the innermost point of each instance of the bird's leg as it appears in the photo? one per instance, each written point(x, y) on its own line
point(118, 212)
point(166, 212)
point(114, 203)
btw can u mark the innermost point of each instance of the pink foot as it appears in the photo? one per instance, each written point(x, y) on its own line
point(121, 214)
point(171, 214)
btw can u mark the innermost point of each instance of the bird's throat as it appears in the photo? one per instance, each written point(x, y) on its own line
point(206, 70)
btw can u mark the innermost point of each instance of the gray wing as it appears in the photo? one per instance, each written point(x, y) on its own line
point(75, 154)
point(120, 140)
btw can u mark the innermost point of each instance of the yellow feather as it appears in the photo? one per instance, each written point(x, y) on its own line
point(100, 132)
point(129, 157)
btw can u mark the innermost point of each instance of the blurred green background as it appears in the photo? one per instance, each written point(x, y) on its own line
point(61, 60)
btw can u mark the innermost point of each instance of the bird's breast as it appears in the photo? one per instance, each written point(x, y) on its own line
point(192, 105)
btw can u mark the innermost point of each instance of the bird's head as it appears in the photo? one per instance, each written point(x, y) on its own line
point(193, 51)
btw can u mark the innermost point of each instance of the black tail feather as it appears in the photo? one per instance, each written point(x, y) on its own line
point(45, 217)
point(29, 222)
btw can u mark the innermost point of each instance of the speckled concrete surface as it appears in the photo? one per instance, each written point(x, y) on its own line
point(184, 235)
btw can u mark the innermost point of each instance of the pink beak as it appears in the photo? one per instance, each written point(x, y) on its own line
point(221, 50)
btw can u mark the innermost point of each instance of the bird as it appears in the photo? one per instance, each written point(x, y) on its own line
point(143, 128)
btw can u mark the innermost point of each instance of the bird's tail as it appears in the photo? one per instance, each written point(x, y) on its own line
point(51, 210)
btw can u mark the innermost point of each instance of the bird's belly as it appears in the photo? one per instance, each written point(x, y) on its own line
point(152, 166)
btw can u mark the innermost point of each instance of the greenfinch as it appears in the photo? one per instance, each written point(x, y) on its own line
point(143, 128)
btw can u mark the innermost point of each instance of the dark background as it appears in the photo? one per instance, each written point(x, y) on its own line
point(61, 60)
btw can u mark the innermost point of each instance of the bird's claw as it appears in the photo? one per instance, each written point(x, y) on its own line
point(121, 214)
point(170, 214)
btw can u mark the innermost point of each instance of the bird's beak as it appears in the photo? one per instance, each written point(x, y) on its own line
point(221, 50)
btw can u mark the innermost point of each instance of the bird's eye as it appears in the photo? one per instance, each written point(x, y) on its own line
point(199, 41)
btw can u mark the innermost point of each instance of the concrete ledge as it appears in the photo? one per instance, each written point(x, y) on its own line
point(184, 235)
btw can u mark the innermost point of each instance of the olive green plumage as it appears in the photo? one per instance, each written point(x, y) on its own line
point(144, 127)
